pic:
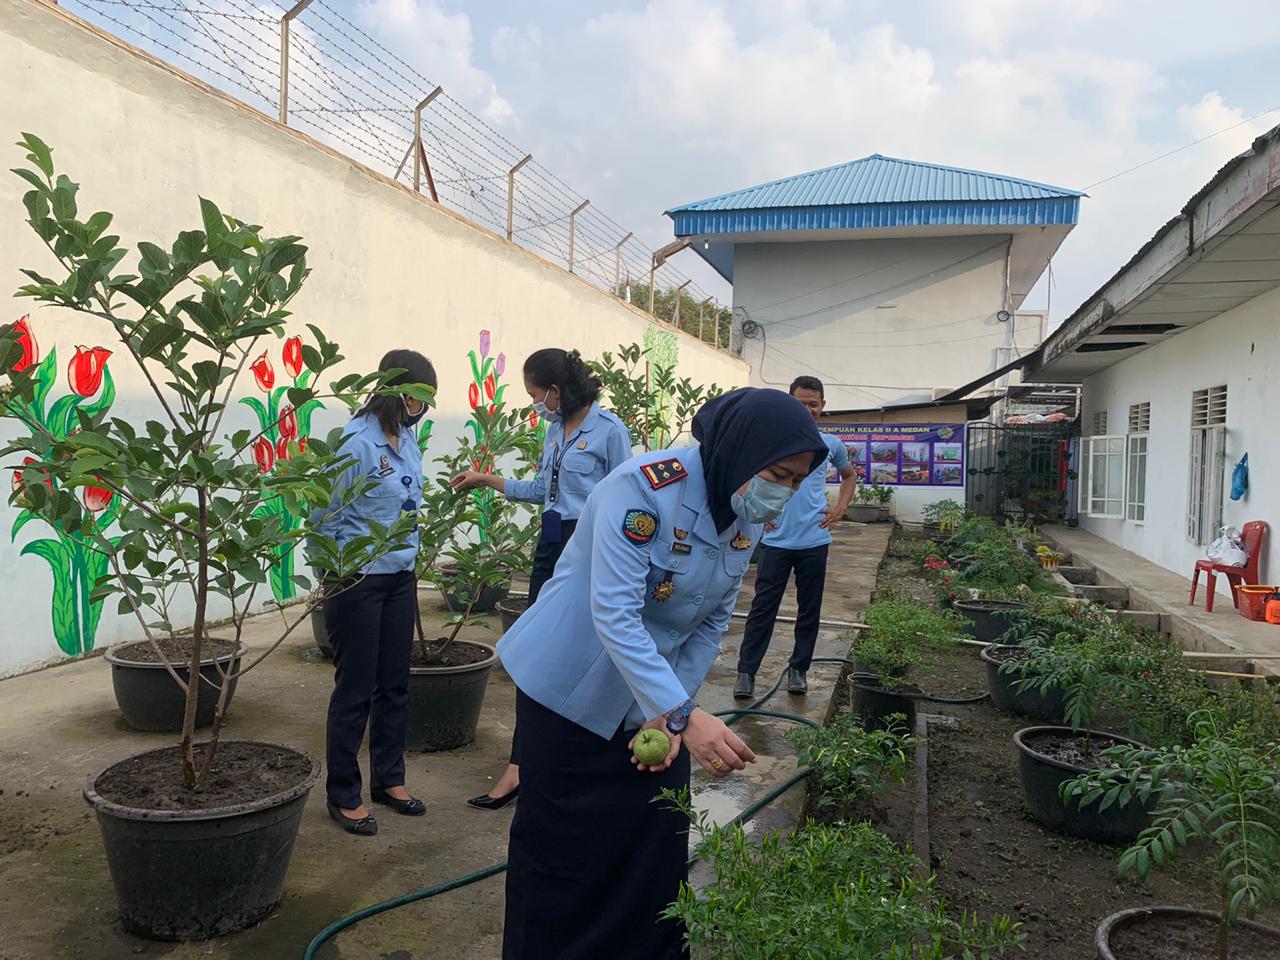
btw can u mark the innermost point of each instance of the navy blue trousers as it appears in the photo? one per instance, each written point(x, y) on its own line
point(371, 628)
point(773, 572)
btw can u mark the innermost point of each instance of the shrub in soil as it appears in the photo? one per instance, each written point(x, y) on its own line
point(847, 762)
point(1224, 790)
point(823, 892)
point(207, 514)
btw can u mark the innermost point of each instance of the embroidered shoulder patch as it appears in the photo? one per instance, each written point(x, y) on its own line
point(664, 473)
point(639, 526)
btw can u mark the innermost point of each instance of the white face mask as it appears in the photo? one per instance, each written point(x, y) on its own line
point(763, 500)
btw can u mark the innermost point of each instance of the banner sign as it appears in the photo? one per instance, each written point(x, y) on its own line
point(902, 454)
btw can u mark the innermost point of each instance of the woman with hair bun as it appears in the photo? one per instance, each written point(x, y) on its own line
point(584, 444)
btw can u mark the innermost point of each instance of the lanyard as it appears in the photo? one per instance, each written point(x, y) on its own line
point(556, 462)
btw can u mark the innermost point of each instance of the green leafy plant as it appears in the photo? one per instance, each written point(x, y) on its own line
point(839, 892)
point(848, 762)
point(644, 393)
point(195, 541)
point(873, 493)
point(944, 514)
point(1222, 789)
point(897, 629)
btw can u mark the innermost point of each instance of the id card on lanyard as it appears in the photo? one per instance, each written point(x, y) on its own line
point(551, 521)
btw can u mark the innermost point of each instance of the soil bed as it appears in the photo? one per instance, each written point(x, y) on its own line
point(1073, 750)
point(459, 654)
point(177, 650)
point(987, 851)
point(242, 772)
point(1187, 938)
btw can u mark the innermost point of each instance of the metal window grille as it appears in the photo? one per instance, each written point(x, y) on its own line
point(1099, 424)
point(1139, 417)
point(1209, 407)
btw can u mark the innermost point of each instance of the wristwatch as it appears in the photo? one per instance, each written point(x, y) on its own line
point(678, 718)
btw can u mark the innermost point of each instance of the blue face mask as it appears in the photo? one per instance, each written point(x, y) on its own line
point(540, 408)
point(762, 502)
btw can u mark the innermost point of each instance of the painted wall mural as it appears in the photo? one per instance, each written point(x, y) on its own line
point(74, 565)
point(285, 431)
point(485, 390)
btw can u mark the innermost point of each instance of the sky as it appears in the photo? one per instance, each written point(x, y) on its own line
point(642, 105)
point(645, 105)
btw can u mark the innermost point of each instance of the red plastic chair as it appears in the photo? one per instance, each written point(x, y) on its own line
point(1253, 535)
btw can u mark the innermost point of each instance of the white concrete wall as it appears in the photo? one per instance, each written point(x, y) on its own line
point(879, 321)
point(1240, 348)
point(390, 269)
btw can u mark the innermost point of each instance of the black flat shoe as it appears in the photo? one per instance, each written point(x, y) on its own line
point(364, 827)
point(413, 807)
point(486, 802)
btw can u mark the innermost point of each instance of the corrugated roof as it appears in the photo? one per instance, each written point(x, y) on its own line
point(877, 180)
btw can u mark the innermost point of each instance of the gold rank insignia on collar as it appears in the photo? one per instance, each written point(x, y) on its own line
point(681, 534)
point(663, 473)
point(740, 542)
point(582, 444)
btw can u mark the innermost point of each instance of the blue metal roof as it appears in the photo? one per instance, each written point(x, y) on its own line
point(879, 192)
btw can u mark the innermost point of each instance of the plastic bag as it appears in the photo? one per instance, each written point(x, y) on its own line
point(1240, 478)
point(1227, 549)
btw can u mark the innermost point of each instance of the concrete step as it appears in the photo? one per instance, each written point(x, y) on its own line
point(1079, 575)
point(1117, 598)
point(1147, 620)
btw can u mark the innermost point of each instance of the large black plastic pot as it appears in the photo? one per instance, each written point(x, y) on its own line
point(988, 619)
point(1027, 702)
point(320, 631)
point(510, 609)
point(445, 702)
point(1141, 916)
point(150, 700)
point(1042, 776)
point(488, 599)
point(193, 875)
point(875, 703)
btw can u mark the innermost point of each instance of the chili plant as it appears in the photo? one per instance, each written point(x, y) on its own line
point(193, 532)
point(849, 762)
point(1223, 789)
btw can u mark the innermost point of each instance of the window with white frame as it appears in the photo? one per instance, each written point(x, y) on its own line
point(1135, 483)
point(1206, 463)
point(1106, 456)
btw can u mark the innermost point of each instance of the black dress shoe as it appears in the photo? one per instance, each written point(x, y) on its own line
point(364, 827)
point(745, 688)
point(486, 802)
point(413, 807)
point(796, 682)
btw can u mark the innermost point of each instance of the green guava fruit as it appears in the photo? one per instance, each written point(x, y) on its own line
point(651, 747)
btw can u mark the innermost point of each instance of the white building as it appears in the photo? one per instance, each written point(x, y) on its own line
point(893, 281)
point(1179, 358)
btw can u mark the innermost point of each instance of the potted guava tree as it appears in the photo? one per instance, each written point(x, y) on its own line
point(199, 835)
point(1222, 790)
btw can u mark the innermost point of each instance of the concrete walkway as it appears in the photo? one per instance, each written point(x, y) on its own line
point(59, 726)
point(1153, 588)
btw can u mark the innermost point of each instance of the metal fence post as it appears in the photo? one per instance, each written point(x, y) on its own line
point(573, 225)
point(419, 154)
point(296, 9)
point(701, 308)
point(675, 314)
point(617, 267)
point(511, 193)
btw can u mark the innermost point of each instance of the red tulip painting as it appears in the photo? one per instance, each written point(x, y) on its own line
point(86, 368)
point(484, 386)
point(284, 430)
point(74, 566)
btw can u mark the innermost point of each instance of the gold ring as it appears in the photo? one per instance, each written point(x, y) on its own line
point(716, 764)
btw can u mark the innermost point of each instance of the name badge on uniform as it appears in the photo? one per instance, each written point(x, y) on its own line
point(552, 530)
point(384, 467)
point(683, 548)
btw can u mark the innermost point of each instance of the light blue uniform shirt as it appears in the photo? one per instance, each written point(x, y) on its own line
point(601, 647)
point(596, 449)
point(799, 526)
point(395, 480)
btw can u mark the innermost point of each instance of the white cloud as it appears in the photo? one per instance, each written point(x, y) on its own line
point(517, 46)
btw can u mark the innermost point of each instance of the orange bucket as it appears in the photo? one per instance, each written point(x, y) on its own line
point(1253, 600)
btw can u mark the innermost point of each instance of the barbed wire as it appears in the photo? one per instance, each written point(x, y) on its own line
point(351, 92)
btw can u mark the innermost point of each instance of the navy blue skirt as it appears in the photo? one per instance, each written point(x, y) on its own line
point(592, 863)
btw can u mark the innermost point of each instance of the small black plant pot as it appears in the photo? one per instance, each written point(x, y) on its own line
point(320, 632)
point(1182, 923)
point(1004, 692)
point(1043, 775)
point(876, 702)
point(509, 610)
point(989, 620)
point(488, 599)
point(149, 699)
point(193, 875)
point(445, 701)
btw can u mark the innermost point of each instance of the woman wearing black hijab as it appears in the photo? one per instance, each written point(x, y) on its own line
point(637, 607)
